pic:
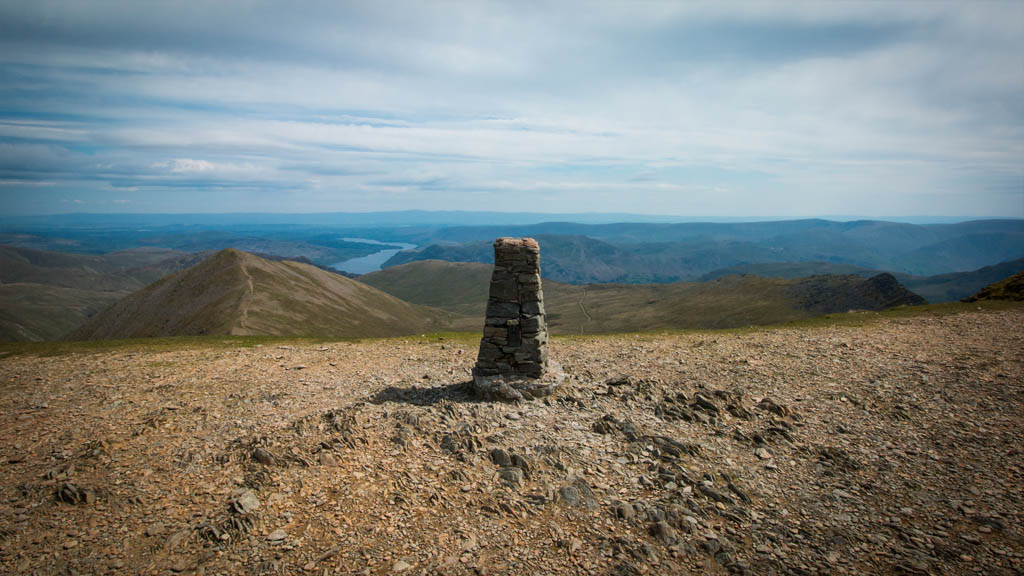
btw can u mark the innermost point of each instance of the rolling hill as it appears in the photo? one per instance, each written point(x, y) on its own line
point(727, 302)
point(121, 271)
point(233, 292)
point(458, 287)
point(1011, 288)
point(958, 285)
point(35, 312)
point(44, 295)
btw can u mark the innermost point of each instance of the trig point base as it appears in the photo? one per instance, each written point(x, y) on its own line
point(513, 359)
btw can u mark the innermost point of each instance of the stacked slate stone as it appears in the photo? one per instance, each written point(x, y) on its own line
point(513, 350)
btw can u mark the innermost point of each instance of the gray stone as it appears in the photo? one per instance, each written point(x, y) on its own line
point(570, 495)
point(504, 290)
point(497, 309)
point(263, 456)
point(501, 458)
point(532, 308)
point(71, 494)
point(523, 355)
point(492, 332)
point(664, 532)
point(245, 502)
point(714, 494)
point(530, 369)
point(521, 463)
point(703, 402)
point(531, 323)
point(511, 475)
point(624, 511)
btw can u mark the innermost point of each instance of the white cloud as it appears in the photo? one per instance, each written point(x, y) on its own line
point(870, 108)
point(12, 183)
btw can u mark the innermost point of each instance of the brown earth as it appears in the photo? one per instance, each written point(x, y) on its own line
point(890, 448)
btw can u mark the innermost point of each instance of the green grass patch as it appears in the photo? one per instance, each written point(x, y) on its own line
point(46, 349)
point(860, 318)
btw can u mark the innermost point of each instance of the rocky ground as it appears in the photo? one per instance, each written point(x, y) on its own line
point(889, 448)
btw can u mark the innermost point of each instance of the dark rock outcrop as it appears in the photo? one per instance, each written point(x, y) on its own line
point(1011, 288)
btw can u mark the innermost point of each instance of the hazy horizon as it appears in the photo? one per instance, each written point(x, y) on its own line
point(447, 217)
point(760, 110)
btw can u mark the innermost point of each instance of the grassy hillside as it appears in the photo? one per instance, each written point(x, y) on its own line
point(459, 287)
point(48, 294)
point(1011, 288)
point(237, 293)
point(723, 303)
point(788, 270)
point(32, 312)
point(729, 302)
point(117, 271)
point(630, 308)
point(959, 285)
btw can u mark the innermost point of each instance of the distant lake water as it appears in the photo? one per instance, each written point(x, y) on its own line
point(373, 262)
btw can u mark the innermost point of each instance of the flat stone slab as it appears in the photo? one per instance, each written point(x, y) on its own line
point(513, 387)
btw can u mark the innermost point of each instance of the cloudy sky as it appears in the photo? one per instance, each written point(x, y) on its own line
point(721, 109)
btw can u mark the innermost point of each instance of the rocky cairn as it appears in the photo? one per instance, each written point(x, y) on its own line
point(513, 360)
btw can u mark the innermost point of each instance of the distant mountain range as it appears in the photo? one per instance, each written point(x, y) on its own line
point(46, 295)
point(635, 252)
point(639, 253)
point(56, 274)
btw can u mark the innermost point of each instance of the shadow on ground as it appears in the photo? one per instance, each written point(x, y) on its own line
point(419, 396)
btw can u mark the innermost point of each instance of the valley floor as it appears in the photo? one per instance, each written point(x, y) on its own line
point(880, 449)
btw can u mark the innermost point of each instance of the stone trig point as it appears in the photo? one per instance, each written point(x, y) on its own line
point(513, 359)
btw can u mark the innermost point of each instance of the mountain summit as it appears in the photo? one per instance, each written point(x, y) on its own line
point(234, 292)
